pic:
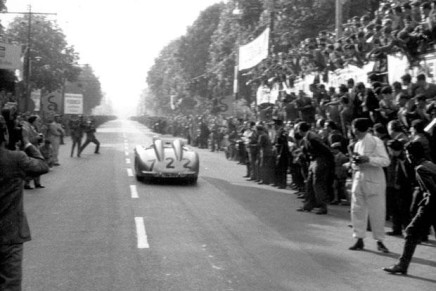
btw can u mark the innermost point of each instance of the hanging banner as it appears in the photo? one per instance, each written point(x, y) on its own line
point(398, 65)
point(263, 95)
point(254, 52)
point(10, 57)
point(73, 103)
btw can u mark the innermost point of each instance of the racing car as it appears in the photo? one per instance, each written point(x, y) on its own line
point(166, 159)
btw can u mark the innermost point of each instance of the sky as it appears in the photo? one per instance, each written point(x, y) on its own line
point(118, 39)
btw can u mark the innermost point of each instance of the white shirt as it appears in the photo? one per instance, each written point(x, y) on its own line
point(370, 177)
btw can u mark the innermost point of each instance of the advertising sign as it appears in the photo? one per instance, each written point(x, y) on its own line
point(254, 52)
point(10, 57)
point(73, 103)
point(51, 103)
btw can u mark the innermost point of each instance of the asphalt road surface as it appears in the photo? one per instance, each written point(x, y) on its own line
point(96, 228)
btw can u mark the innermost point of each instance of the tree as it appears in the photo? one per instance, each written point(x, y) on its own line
point(52, 60)
point(165, 78)
point(193, 53)
point(202, 62)
point(91, 88)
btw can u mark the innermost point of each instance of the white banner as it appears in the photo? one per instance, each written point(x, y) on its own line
point(10, 57)
point(254, 52)
point(73, 103)
point(263, 95)
point(398, 65)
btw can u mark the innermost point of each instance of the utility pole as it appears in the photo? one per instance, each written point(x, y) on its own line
point(339, 6)
point(27, 73)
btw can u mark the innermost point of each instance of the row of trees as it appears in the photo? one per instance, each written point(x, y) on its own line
point(200, 64)
point(53, 62)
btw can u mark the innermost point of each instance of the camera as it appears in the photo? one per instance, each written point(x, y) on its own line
point(356, 159)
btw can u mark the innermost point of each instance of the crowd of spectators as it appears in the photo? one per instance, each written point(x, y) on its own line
point(399, 113)
point(45, 133)
point(406, 26)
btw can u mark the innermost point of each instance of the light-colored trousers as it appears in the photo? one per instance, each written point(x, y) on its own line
point(55, 143)
point(372, 205)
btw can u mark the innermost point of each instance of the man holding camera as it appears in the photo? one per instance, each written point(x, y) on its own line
point(369, 185)
point(15, 165)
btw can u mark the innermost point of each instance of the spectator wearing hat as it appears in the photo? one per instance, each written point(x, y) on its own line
point(346, 111)
point(397, 18)
point(319, 183)
point(409, 44)
point(381, 132)
point(396, 131)
point(388, 109)
point(417, 134)
point(266, 161)
point(415, 12)
point(248, 132)
point(282, 155)
point(397, 89)
point(54, 133)
point(399, 187)
point(253, 152)
point(425, 88)
point(369, 185)
point(419, 109)
point(426, 215)
point(77, 126)
point(406, 80)
point(305, 107)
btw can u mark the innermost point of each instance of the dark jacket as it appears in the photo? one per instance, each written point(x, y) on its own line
point(14, 167)
point(426, 177)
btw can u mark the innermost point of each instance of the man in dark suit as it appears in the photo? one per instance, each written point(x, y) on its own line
point(90, 137)
point(426, 214)
point(14, 230)
point(319, 183)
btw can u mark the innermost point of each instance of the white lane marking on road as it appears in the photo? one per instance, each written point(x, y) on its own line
point(127, 153)
point(141, 233)
point(134, 191)
point(127, 161)
point(129, 172)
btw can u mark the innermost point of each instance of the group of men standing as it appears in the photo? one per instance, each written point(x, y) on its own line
point(267, 157)
point(78, 127)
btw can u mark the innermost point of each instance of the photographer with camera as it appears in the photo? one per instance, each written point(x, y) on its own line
point(15, 165)
point(369, 185)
